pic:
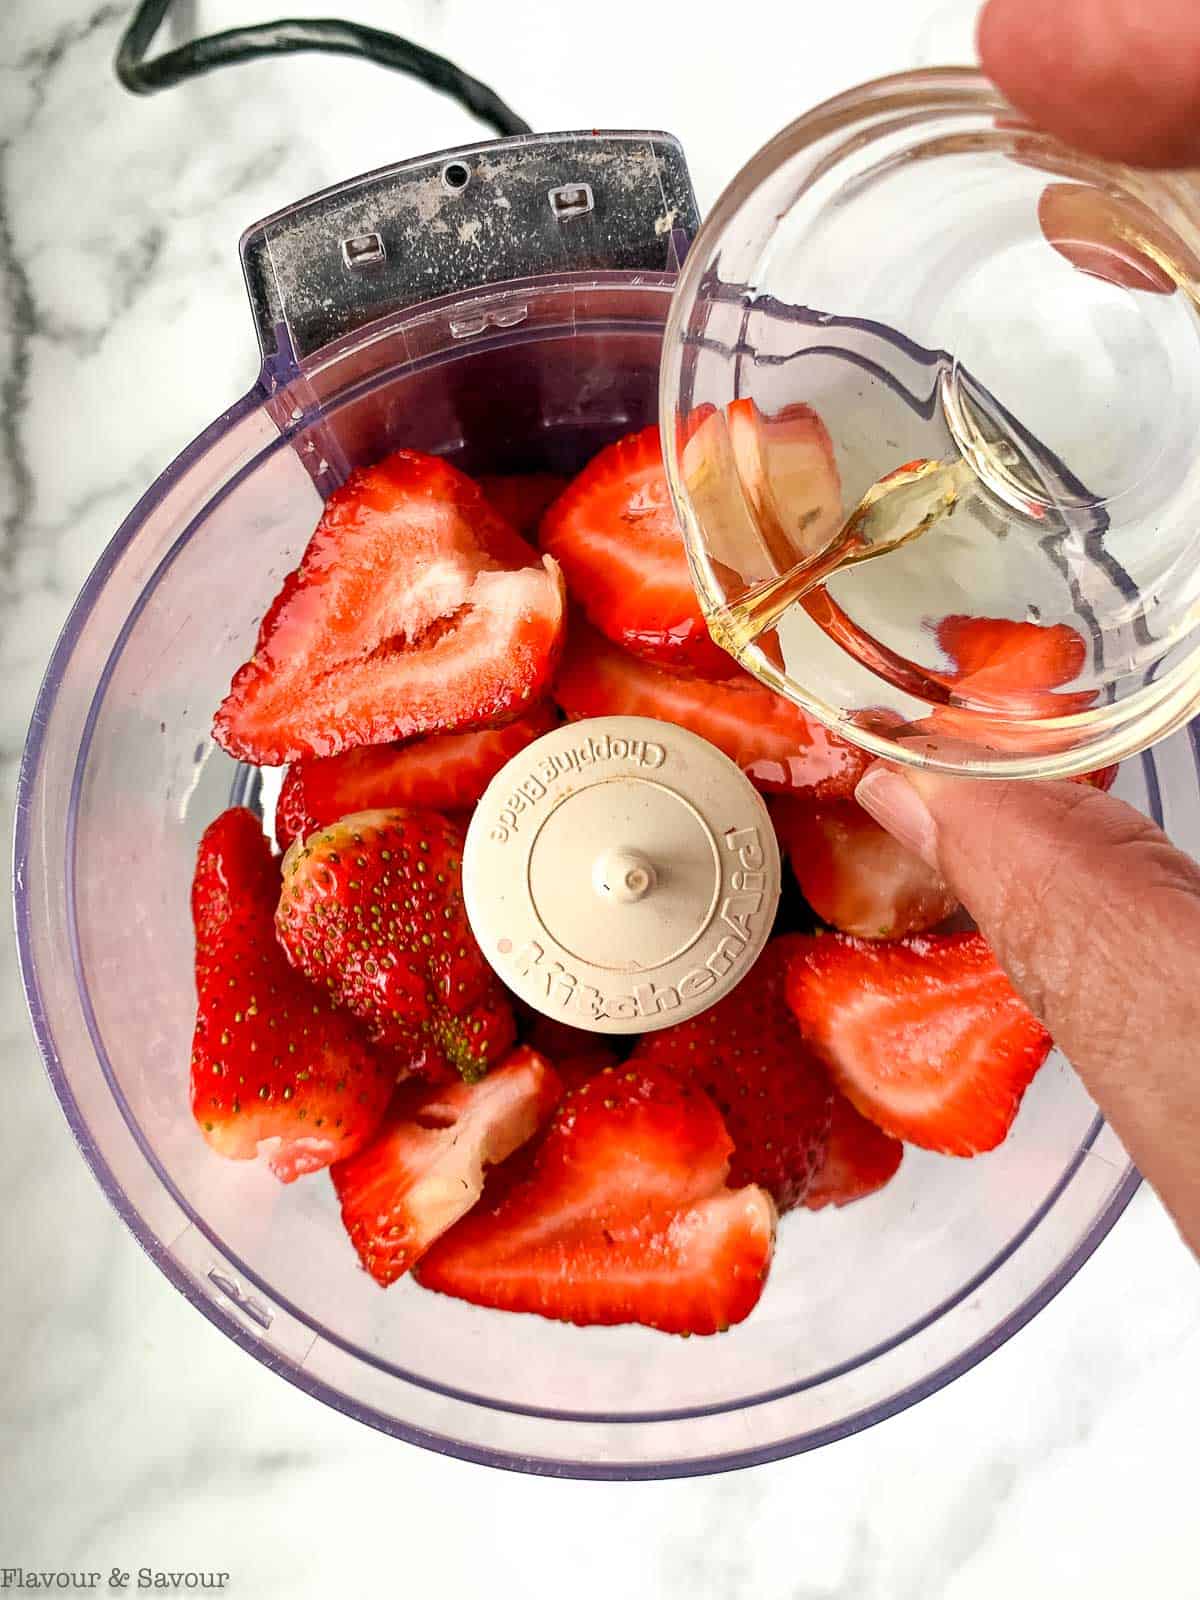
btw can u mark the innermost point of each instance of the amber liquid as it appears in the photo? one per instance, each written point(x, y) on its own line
point(904, 505)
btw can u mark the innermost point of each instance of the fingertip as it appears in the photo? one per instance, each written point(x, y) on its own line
point(1116, 78)
point(887, 795)
point(996, 44)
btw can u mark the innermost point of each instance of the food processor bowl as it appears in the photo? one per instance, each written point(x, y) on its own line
point(868, 1308)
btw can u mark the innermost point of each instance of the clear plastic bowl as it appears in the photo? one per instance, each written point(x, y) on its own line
point(867, 1310)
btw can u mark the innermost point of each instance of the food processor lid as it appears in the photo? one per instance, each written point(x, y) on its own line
point(621, 874)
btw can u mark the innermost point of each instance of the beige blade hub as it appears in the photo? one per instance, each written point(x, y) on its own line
point(621, 874)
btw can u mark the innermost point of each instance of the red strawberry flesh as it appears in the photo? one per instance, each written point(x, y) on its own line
point(619, 1214)
point(926, 1037)
point(615, 535)
point(415, 609)
point(779, 748)
point(854, 874)
point(276, 1072)
point(746, 1052)
point(425, 1168)
point(445, 772)
point(788, 471)
point(1102, 778)
point(861, 1159)
point(1015, 669)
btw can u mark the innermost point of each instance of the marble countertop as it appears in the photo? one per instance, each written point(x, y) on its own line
point(134, 1433)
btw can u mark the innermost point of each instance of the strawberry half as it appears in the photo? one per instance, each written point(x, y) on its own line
point(619, 1214)
point(425, 1168)
point(774, 743)
point(415, 609)
point(788, 471)
point(854, 874)
point(615, 535)
point(926, 1037)
point(445, 772)
point(372, 908)
point(765, 490)
point(860, 1159)
point(747, 1054)
point(1023, 655)
point(276, 1072)
point(521, 498)
point(1014, 668)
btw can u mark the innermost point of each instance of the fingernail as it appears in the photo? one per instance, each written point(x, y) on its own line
point(896, 806)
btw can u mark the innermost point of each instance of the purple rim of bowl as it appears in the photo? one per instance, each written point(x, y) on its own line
point(237, 1330)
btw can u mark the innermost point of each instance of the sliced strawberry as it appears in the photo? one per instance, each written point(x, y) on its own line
point(293, 817)
point(765, 490)
point(620, 1214)
point(747, 1053)
point(372, 908)
point(1024, 655)
point(276, 1072)
point(927, 1037)
point(445, 772)
point(1014, 668)
point(789, 474)
point(686, 427)
point(854, 874)
point(425, 1167)
point(521, 498)
point(615, 536)
point(415, 609)
point(738, 550)
point(860, 1159)
point(774, 743)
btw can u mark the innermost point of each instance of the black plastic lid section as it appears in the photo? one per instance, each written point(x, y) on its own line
point(463, 219)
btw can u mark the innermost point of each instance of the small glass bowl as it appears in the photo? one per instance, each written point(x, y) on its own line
point(911, 272)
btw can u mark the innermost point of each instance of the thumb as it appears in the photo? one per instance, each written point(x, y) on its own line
point(1095, 916)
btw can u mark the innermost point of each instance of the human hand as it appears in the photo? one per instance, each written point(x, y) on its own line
point(1096, 918)
point(1092, 912)
point(1117, 78)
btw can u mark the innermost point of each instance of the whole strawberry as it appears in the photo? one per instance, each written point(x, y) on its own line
point(276, 1071)
point(372, 907)
point(747, 1054)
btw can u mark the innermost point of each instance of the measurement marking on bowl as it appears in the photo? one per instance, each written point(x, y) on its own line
point(468, 327)
point(232, 1290)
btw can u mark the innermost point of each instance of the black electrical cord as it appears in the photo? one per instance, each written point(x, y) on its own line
point(327, 34)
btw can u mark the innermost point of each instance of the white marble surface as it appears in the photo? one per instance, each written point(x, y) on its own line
point(133, 1432)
